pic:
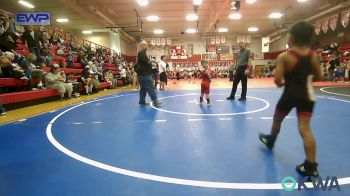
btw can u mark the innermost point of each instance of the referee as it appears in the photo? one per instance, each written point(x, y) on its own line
point(243, 62)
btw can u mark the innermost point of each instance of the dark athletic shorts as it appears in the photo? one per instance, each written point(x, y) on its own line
point(163, 77)
point(304, 107)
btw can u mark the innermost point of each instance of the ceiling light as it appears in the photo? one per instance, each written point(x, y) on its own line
point(197, 2)
point(250, 1)
point(302, 1)
point(191, 31)
point(275, 15)
point(235, 16)
point(142, 2)
point(223, 30)
point(62, 20)
point(192, 17)
point(158, 31)
point(152, 18)
point(253, 29)
point(87, 32)
point(27, 4)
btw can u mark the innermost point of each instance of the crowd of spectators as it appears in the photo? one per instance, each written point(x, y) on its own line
point(51, 52)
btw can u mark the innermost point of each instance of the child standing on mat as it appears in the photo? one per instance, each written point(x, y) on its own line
point(296, 69)
point(205, 85)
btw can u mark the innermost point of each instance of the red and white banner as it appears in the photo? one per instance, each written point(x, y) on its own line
point(333, 21)
point(217, 40)
point(223, 39)
point(153, 42)
point(318, 25)
point(265, 42)
point(168, 41)
point(325, 25)
point(242, 38)
point(163, 41)
point(345, 16)
point(249, 39)
point(212, 40)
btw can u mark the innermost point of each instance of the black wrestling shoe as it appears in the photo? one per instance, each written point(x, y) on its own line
point(242, 99)
point(157, 103)
point(143, 104)
point(267, 140)
point(308, 169)
point(230, 98)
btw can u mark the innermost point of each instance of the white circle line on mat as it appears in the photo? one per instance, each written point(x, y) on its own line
point(157, 178)
point(332, 93)
point(267, 105)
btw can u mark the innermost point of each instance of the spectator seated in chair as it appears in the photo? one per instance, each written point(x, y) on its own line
point(110, 79)
point(10, 69)
point(86, 80)
point(45, 55)
point(76, 85)
point(32, 72)
point(70, 60)
point(54, 80)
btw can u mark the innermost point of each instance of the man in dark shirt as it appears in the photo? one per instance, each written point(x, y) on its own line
point(145, 74)
point(330, 67)
point(33, 39)
point(243, 63)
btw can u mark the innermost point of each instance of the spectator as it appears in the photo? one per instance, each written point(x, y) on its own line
point(32, 38)
point(2, 110)
point(123, 74)
point(82, 59)
point(340, 72)
point(73, 45)
point(86, 81)
point(45, 55)
point(11, 69)
point(94, 70)
point(332, 64)
point(110, 79)
point(55, 39)
point(76, 85)
point(60, 51)
point(54, 80)
point(3, 22)
point(32, 73)
point(70, 59)
point(7, 42)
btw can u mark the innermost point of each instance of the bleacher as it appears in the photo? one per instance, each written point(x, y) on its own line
point(24, 96)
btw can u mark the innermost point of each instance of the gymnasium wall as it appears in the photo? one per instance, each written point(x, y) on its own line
point(98, 38)
point(279, 44)
point(128, 47)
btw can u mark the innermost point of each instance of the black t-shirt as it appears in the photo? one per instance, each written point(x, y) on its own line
point(332, 64)
point(144, 64)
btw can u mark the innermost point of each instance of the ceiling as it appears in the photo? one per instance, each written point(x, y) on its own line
point(98, 14)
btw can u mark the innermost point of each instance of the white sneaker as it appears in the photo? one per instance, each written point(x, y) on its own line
point(34, 89)
point(3, 114)
point(24, 78)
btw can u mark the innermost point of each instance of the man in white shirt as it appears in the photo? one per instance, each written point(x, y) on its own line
point(162, 73)
point(122, 74)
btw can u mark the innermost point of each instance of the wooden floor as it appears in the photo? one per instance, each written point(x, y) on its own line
point(22, 113)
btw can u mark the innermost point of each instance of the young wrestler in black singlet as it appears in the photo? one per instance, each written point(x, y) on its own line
point(296, 70)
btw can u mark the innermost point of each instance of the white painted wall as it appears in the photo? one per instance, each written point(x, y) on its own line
point(106, 39)
point(279, 45)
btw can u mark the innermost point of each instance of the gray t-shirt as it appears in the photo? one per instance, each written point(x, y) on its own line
point(243, 57)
